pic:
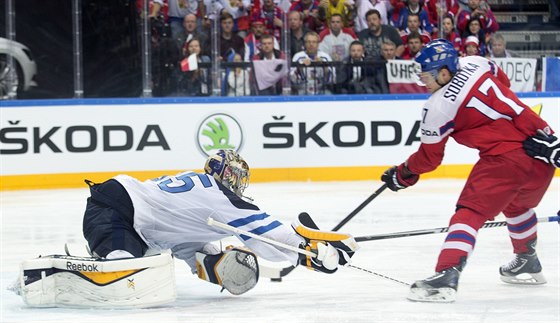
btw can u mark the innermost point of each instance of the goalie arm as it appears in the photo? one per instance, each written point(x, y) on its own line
point(321, 250)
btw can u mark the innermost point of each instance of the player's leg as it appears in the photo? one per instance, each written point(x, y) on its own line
point(108, 223)
point(487, 191)
point(525, 267)
point(458, 245)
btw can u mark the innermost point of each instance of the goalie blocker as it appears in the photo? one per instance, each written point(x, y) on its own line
point(83, 282)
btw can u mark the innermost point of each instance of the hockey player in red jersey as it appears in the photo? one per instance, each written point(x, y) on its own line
point(472, 103)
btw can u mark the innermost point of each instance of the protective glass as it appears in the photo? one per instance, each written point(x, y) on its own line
point(423, 78)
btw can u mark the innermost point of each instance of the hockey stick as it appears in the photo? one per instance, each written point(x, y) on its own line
point(227, 227)
point(286, 270)
point(412, 233)
point(360, 207)
point(379, 275)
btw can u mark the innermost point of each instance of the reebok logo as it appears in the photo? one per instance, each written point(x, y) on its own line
point(81, 266)
point(523, 262)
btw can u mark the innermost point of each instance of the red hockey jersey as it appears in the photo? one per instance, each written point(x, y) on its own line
point(478, 110)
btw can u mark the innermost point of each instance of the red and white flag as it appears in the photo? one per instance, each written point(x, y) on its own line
point(189, 64)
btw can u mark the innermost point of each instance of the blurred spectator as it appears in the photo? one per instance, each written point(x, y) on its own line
point(389, 48)
point(474, 29)
point(177, 10)
point(413, 46)
point(189, 32)
point(413, 25)
point(363, 6)
point(268, 52)
point(498, 47)
point(310, 10)
point(165, 58)
point(238, 9)
point(438, 9)
point(311, 79)
point(335, 41)
point(238, 79)
point(472, 46)
point(373, 37)
point(194, 82)
point(449, 33)
point(401, 10)
point(344, 8)
point(273, 17)
point(297, 32)
point(253, 40)
point(477, 9)
point(356, 76)
point(228, 39)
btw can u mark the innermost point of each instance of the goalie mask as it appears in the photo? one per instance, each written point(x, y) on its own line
point(228, 168)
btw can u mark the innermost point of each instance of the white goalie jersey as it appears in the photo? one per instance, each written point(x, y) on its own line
point(171, 212)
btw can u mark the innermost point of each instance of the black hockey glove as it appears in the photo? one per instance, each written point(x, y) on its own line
point(399, 177)
point(544, 147)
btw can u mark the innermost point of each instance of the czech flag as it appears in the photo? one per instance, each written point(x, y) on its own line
point(189, 64)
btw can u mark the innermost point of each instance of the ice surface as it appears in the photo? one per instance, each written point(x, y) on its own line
point(40, 222)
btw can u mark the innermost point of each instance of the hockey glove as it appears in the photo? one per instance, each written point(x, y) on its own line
point(332, 248)
point(399, 177)
point(544, 147)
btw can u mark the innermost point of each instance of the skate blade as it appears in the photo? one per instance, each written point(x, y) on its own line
point(440, 295)
point(525, 279)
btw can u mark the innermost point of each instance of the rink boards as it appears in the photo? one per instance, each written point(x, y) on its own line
point(58, 143)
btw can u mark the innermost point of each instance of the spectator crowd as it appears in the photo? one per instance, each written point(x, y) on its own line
point(330, 46)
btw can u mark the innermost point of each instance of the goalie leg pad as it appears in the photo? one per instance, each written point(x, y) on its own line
point(235, 269)
point(82, 282)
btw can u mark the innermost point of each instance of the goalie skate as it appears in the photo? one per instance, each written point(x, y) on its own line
point(439, 288)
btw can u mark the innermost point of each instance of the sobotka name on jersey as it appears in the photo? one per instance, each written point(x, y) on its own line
point(459, 80)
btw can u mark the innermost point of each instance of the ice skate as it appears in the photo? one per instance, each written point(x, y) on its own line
point(439, 288)
point(524, 269)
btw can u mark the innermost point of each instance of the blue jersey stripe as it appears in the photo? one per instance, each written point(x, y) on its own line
point(263, 229)
point(252, 218)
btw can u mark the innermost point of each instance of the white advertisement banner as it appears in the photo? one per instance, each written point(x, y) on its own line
point(520, 71)
point(400, 71)
point(143, 137)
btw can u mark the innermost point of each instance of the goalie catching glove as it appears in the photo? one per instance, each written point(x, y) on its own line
point(544, 147)
point(332, 248)
point(399, 177)
point(235, 269)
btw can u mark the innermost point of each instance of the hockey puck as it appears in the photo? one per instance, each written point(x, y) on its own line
point(276, 279)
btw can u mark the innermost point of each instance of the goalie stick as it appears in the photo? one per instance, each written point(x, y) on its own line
point(286, 270)
point(412, 233)
point(227, 227)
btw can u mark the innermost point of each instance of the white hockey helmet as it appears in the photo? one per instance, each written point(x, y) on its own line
point(230, 169)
